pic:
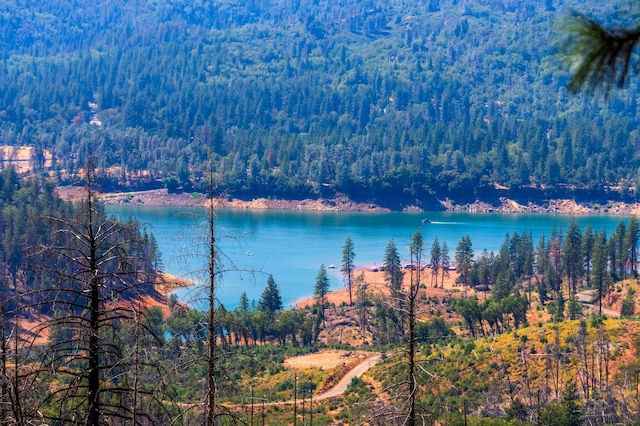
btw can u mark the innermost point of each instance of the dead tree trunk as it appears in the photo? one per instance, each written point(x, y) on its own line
point(211, 367)
point(416, 261)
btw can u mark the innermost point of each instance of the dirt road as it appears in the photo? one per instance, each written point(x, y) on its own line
point(341, 386)
point(357, 371)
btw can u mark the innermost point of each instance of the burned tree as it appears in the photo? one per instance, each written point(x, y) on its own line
point(205, 341)
point(103, 271)
point(402, 407)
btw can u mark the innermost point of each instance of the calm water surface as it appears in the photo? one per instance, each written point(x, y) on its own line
point(291, 245)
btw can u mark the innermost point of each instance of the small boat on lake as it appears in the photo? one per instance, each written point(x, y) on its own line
point(425, 220)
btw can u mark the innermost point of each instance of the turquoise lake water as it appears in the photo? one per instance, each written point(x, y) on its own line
point(291, 245)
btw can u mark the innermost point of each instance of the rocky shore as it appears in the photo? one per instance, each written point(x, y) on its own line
point(161, 197)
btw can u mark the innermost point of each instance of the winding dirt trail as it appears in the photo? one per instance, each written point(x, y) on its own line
point(341, 386)
point(357, 371)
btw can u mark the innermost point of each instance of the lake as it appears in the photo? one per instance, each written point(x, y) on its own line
point(291, 245)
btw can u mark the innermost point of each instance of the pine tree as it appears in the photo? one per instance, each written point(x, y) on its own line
point(597, 55)
point(464, 258)
point(588, 239)
point(270, 301)
point(572, 258)
point(436, 255)
point(631, 242)
point(321, 288)
point(571, 402)
point(243, 304)
point(619, 250)
point(444, 261)
point(542, 255)
point(348, 256)
point(392, 267)
point(599, 268)
point(628, 307)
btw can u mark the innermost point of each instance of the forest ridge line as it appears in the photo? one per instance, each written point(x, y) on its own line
point(387, 102)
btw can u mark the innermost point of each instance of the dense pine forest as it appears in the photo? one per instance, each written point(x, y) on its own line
point(377, 100)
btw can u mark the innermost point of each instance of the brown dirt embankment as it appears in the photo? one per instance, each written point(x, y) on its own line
point(165, 284)
point(161, 197)
point(377, 287)
point(557, 206)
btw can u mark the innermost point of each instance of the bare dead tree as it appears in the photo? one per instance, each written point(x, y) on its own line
point(5, 396)
point(417, 247)
point(402, 406)
point(101, 274)
point(209, 349)
point(211, 365)
point(19, 390)
point(363, 304)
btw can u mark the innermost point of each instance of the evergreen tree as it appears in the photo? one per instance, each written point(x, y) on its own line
point(436, 255)
point(270, 300)
point(516, 411)
point(444, 261)
point(600, 56)
point(558, 307)
point(542, 255)
point(631, 242)
point(503, 286)
point(321, 288)
point(527, 270)
point(619, 250)
point(470, 311)
point(628, 304)
point(572, 258)
point(571, 402)
point(599, 268)
point(588, 239)
point(348, 256)
point(392, 267)
point(574, 307)
point(464, 258)
point(565, 413)
point(243, 304)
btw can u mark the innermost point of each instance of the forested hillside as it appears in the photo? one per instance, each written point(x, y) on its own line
point(377, 100)
point(72, 280)
point(516, 337)
point(32, 225)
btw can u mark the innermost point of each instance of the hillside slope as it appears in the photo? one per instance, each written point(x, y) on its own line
point(388, 102)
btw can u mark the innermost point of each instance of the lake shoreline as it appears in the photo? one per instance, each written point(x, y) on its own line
point(292, 245)
point(161, 197)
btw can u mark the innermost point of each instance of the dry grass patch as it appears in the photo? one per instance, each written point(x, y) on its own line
point(325, 360)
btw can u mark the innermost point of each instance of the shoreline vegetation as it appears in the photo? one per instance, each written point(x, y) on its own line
point(377, 287)
point(164, 285)
point(161, 197)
